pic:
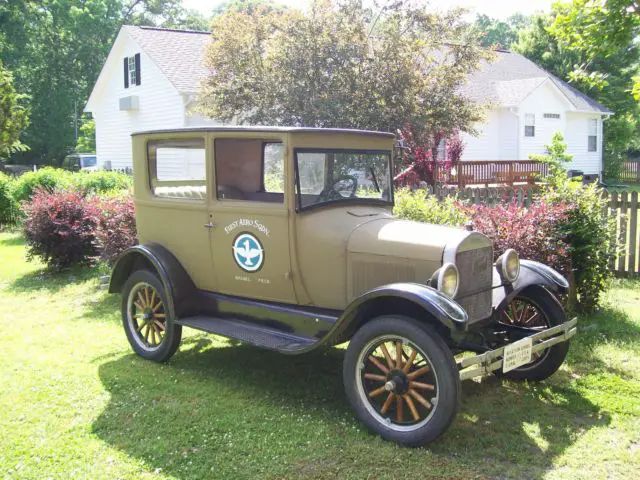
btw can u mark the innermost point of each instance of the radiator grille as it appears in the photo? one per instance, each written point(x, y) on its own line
point(476, 272)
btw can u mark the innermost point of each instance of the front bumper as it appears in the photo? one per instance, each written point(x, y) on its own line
point(487, 362)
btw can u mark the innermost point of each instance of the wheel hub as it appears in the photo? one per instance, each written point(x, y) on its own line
point(397, 382)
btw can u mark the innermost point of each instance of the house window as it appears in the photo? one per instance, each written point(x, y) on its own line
point(552, 116)
point(529, 125)
point(132, 70)
point(592, 141)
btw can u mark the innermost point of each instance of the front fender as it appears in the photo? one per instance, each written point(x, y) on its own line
point(531, 273)
point(176, 281)
point(395, 298)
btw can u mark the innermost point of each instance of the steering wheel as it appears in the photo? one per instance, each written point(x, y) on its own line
point(340, 185)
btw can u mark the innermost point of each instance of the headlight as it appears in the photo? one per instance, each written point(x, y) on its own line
point(445, 279)
point(508, 264)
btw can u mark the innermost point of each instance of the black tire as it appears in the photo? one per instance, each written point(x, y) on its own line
point(146, 283)
point(549, 360)
point(443, 372)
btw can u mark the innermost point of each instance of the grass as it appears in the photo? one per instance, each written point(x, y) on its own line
point(75, 403)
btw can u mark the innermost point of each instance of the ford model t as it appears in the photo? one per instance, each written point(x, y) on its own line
point(284, 238)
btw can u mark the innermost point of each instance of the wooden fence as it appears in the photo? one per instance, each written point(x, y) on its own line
point(492, 172)
point(622, 207)
point(630, 172)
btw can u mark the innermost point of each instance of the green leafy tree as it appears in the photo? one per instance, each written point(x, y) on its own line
point(606, 74)
point(248, 6)
point(494, 32)
point(87, 137)
point(556, 158)
point(56, 49)
point(14, 115)
point(323, 68)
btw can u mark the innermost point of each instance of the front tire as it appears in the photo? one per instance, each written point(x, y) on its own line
point(147, 322)
point(402, 380)
point(536, 308)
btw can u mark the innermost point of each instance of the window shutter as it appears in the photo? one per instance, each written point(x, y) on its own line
point(137, 69)
point(126, 72)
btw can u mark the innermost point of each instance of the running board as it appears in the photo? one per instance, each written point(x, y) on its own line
point(250, 333)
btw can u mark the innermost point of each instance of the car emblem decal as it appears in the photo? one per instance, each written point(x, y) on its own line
point(248, 252)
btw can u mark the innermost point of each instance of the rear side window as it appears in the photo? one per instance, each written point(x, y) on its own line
point(177, 168)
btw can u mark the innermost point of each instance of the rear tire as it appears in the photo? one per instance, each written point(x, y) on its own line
point(147, 322)
point(550, 313)
point(412, 400)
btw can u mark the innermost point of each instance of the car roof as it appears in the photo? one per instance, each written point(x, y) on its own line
point(258, 129)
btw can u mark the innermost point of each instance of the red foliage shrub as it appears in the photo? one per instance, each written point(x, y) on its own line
point(59, 227)
point(116, 226)
point(532, 231)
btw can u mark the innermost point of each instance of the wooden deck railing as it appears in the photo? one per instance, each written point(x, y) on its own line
point(630, 172)
point(493, 172)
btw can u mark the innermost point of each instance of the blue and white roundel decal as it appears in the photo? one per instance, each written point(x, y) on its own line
point(248, 252)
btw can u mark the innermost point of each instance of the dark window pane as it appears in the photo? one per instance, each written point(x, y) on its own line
point(529, 131)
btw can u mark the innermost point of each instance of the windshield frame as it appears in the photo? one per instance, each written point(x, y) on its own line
point(342, 201)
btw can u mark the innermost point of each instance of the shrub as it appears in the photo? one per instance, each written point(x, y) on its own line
point(47, 178)
point(422, 207)
point(9, 209)
point(533, 232)
point(116, 227)
point(59, 227)
point(101, 181)
point(589, 234)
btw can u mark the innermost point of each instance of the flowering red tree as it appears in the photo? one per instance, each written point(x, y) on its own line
point(420, 159)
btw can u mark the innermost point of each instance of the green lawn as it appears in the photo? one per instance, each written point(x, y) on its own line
point(76, 404)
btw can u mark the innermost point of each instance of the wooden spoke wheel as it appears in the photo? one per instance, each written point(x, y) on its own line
point(537, 309)
point(401, 379)
point(147, 319)
point(148, 315)
point(398, 381)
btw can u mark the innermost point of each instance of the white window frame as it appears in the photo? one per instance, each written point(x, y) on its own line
point(592, 133)
point(132, 71)
point(530, 122)
point(551, 116)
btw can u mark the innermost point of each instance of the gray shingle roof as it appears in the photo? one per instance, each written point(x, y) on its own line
point(178, 53)
point(511, 77)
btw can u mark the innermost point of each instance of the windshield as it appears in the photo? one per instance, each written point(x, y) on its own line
point(89, 161)
point(325, 176)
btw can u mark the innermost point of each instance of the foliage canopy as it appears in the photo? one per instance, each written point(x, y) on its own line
point(340, 66)
point(14, 115)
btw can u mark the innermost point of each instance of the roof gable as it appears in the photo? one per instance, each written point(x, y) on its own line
point(511, 78)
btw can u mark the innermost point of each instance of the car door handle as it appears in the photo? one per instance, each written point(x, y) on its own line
point(210, 225)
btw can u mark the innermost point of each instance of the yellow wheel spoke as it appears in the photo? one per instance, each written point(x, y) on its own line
point(375, 361)
point(419, 398)
point(160, 325)
point(146, 297)
point(138, 305)
point(410, 361)
point(146, 335)
point(421, 386)
point(399, 409)
point(385, 351)
point(373, 376)
point(142, 324)
point(153, 298)
point(387, 403)
point(141, 299)
point(418, 372)
point(159, 315)
point(398, 354)
point(412, 407)
point(376, 392)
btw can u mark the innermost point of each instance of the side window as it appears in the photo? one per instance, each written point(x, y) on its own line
point(177, 168)
point(592, 141)
point(249, 169)
point(529, 125)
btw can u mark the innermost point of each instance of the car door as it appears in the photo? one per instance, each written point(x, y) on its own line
point(249, 219)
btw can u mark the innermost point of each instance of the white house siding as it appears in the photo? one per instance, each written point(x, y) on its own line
point(486, 145)
point(577, 143)
point(545, 99)
point(160, 106)
point(508, 131)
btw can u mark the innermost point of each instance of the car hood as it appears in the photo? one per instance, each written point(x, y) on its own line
point(405, 239)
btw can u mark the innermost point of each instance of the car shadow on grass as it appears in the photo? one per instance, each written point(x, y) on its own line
point(162, 413)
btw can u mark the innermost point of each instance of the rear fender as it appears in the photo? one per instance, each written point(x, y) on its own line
point(154, 257)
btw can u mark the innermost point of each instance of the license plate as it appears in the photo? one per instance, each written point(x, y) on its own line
point(517, 354)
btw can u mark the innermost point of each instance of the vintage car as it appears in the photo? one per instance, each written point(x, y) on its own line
point(284, 238)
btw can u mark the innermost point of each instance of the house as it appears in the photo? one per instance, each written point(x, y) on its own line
point(149, 81)
point(527, 106)
point(152, 77)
